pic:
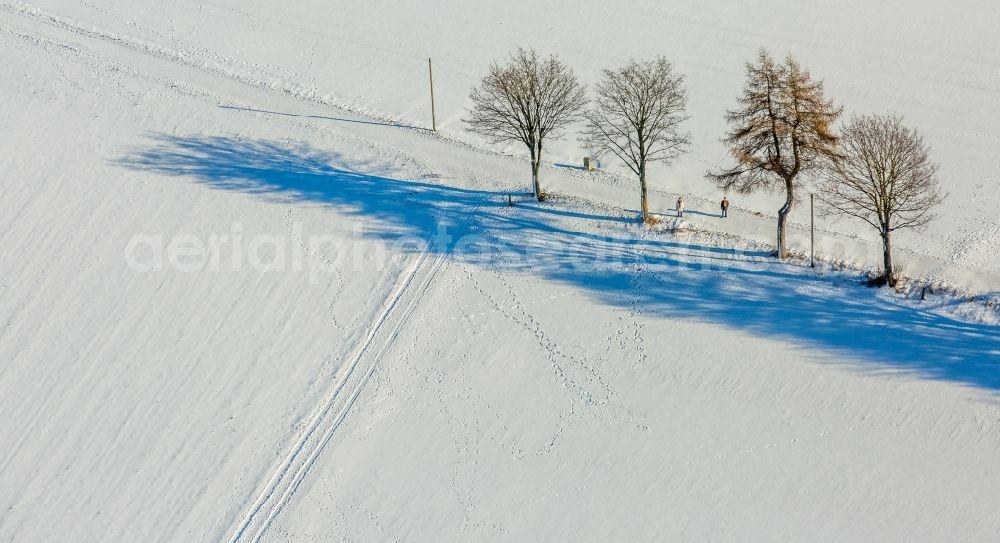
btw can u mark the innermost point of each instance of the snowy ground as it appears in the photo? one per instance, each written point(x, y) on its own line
point(938, 67)
point(374, 347)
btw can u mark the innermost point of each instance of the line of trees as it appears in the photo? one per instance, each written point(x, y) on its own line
point(780, 133)
point(636, 115)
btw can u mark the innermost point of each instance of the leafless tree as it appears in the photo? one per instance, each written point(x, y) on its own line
point(528, 100)
point(782, 128)
point(884, 177)
point(637, 117)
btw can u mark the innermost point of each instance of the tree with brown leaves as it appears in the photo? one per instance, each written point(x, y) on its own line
point(781, 129)
point(637, 117)
point(527, 100)
point(884, 177)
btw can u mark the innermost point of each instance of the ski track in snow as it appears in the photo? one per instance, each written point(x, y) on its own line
point(288, 474)
point(292, 470)
point(331, 413)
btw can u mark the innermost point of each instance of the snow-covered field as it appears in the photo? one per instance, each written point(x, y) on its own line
point(244, 296)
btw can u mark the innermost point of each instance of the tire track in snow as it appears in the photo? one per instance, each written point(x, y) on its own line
point(292, 470)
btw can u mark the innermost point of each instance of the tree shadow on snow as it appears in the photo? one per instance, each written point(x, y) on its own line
point(743, 290)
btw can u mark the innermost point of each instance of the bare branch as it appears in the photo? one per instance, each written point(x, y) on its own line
point(637, 116)
point(883, 177)
point(528, 100)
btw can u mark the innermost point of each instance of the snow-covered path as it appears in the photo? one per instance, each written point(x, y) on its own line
point(407, 358)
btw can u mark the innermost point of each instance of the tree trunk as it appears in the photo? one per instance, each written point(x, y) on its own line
point(887, 258)
point(535, 160)
point(534, 173)
point(534, 181)
point(782, 216)
point(644, 197)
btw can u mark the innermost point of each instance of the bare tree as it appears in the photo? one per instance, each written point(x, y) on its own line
point(637, 116)
point(782, 128)
point(527, 100)
point(884, 177)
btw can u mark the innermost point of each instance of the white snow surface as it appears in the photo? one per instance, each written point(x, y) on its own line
point(352, 337)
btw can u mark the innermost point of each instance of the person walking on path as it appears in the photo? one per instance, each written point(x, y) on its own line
point(680, 206)
point(725, 207)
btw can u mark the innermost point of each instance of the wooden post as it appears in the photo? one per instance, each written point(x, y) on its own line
point(812, 232)
point(430, 73)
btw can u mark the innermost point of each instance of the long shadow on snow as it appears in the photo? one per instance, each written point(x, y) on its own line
point(679, 279)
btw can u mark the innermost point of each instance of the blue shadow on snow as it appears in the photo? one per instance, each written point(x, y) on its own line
point(666, 277)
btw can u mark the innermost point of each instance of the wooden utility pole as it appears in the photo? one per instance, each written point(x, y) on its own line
point(430, 73)
point(812, 232)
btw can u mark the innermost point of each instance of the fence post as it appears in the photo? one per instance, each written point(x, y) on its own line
point(812, 232)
